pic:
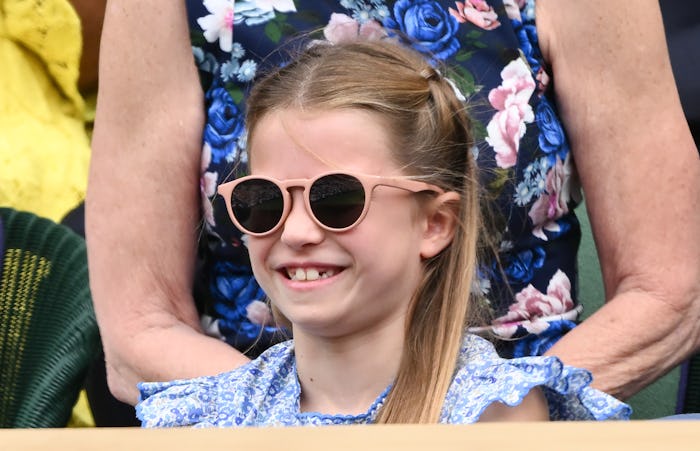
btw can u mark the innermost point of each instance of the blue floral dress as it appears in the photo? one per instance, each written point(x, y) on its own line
point(491, 52)
point(266, 392)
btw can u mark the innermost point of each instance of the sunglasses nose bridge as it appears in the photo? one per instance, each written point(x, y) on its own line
point(298, 225)
point(292, 192)
point(296, 195)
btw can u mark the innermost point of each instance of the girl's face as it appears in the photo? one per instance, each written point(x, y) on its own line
point(357, 281)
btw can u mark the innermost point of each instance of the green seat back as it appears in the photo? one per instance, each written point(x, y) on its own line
point(48, 332)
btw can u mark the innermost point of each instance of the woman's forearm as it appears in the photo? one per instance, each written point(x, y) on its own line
point(640, 171)
point(142, 206)
point(632, 341)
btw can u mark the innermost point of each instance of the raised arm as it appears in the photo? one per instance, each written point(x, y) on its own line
point(142, 210)
point(641, 176)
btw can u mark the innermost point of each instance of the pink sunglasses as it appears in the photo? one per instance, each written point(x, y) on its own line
point(337, 201)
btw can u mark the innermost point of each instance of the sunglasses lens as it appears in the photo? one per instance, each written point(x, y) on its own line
point(257, 205)
point(337, 200)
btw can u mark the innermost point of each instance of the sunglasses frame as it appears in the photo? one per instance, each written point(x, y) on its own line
point(368, 182)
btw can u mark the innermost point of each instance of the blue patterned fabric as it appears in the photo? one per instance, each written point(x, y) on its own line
point(266, 392)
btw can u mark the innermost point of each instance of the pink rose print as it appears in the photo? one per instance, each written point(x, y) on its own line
point(343, 28)
point(207, 186)
point(477, 12)
point(553, 204)
point(510, 99)
point(531, 305)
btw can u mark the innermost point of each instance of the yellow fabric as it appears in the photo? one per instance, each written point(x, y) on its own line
point(82, 415)
point(44, 147)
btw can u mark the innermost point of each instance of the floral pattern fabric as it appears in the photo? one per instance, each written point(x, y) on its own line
point(266, 392)
point(491, 51)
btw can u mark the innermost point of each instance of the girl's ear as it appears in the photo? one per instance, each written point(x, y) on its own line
point(441, 223)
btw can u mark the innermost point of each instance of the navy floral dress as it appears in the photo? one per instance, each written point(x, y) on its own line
point(491, 52)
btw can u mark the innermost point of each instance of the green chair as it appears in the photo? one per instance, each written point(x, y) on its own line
point(48, 332)
point(692, 385)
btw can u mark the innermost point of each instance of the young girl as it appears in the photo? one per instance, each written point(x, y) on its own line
point(363, 224)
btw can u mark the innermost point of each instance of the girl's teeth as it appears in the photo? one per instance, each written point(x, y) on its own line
point(310, 274)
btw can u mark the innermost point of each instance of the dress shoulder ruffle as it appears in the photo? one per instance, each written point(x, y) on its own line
point(483, 378)
point(178, 403)
point(233, 398)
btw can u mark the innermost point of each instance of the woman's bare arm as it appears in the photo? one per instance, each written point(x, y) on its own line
point(641, 176)
point(142, 207)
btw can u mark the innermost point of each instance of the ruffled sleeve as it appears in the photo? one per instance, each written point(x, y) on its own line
point(568, 391)
point(483, 378)
point(264, 391)
point(191, 402)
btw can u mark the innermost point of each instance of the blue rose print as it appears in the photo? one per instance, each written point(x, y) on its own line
point(529, 43)
point(520, 268)
point(233, 289)
point(225, 124)
point(539, 344)
point(230, 281)
point(428, 25)
point(552, 138)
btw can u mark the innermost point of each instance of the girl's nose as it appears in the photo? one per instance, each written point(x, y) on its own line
point(299, 228)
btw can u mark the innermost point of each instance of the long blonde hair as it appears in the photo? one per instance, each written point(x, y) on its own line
point(432, 139)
